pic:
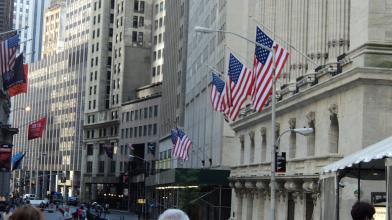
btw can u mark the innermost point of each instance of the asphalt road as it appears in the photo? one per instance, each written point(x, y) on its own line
point(113, 215)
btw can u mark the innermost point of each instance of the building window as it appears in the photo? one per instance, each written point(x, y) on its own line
point(141, 21)
point(160, 22)
point(101, 149)
point(90, 149)
point(135, 22)
point(112, 166)
point(293, 139)
point(311, 138)
point(145, 113)
point(242, 145)
point(89, 167)
point(252, 147)
point(155, 129)
point(101, 166)
point(130, 132)
point(333, 134)
point(161, 6)
point(149, 130)
point(153, 71)
point(135, 132)
point(263, 145)
point(134, 36)
point(145, 130)
point(140, 131)
point(155, 40)
point(150, 112)
point(155, 111)
point(140, 38)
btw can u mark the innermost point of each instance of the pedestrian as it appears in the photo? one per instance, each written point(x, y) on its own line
point(27, 212)
point(173, 214)
point(67, 215)
point(6, 214)
point(362, 211)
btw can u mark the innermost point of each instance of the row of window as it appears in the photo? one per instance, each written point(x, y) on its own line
point(140, 131)
point(101, 166)
point(157, 70)
point(145, 113)
point(138, 21)
point(158, 23)
point(102, 133)
point(159, 7)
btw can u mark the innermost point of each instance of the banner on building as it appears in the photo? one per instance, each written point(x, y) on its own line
point(17, 160)
point(22, 87)
point(15, 75)
point(5, 158)
point(36, 129)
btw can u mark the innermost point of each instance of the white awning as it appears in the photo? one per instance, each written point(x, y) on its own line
point(375, 151)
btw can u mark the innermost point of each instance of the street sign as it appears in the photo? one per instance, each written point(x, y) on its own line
point(280, 160)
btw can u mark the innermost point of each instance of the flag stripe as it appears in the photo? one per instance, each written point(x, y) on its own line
point(263, 68)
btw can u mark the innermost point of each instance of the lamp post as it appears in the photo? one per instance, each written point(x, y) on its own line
point(273, 108)
point(145, 190)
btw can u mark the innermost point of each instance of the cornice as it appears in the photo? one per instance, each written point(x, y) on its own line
point(351, 78)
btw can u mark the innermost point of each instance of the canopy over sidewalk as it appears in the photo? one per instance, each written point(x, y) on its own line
point(375, 151)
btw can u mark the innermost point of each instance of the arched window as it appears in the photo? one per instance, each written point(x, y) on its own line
point(293, 139)
point(263, 144)
point(311, 139)
point(333, 134)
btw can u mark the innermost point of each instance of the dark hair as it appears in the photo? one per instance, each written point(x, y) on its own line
point(27, 212)
point(362, 211)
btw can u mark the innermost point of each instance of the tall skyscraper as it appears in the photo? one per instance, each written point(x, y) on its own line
point(158, 31)
point(56, 91)
point(6, 13)
point(30, 13)
point(53, 35)
point(119, 63)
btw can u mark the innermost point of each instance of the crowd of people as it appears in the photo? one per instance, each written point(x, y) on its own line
point(359, 211)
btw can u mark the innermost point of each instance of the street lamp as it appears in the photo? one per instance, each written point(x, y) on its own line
point(273, 108)
point(301, 131)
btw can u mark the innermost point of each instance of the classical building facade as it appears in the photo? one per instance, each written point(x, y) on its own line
point(346, 101)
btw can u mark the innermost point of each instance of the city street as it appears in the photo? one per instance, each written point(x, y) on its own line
point(113, 215)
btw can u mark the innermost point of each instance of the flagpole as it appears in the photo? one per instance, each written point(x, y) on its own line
point(11, 31)
point(286, 42)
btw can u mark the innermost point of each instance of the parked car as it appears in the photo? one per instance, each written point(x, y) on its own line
point(73, 200)
point(28, 197)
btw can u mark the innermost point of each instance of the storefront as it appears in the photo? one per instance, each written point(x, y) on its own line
point(363, 176)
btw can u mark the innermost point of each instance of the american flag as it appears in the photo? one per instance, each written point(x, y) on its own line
point(263, 66)
point(241, 83)
point(219, 98)
point(8, 50)
point(182, 146)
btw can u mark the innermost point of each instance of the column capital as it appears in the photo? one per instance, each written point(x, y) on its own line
point(298, 197)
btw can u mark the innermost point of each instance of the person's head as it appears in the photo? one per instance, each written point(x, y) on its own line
point(173, 214)
point(27, 212)
point(362, 211)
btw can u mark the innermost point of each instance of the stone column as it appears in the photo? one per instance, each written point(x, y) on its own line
point(248, 206)
point(239, 195)
point(259, 200)
point(267, 204)
point(298, 198)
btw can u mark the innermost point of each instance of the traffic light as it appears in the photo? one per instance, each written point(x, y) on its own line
point(280, 162)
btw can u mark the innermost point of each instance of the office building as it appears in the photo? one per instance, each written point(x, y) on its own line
point(119, 64)
point(53, 35)
point(56, 91)
point(6, 13)
point(30, 13)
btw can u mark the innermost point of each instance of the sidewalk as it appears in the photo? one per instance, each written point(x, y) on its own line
point(120, 215)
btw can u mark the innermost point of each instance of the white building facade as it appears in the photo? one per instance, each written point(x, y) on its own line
point(345, 102)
